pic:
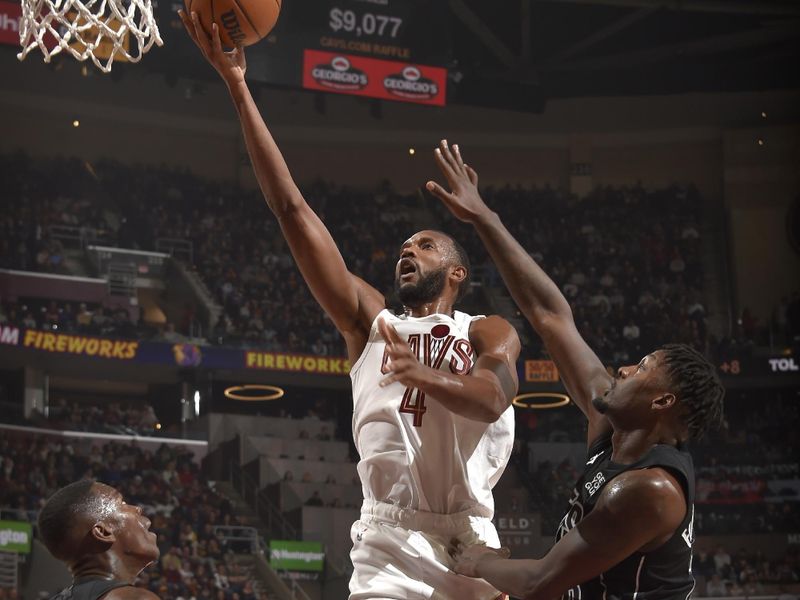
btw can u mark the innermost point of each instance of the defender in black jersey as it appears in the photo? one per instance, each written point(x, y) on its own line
point(104, 542)
point(628, 531)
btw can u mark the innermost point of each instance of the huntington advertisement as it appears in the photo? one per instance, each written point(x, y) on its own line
point(288, 555)
point(15, 536)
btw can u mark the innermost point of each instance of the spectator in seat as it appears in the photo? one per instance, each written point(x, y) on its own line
point(734, 589)
point(315, 500)
point(722, 560)
point(84, 318)
point(716, 587)
point(631, 331)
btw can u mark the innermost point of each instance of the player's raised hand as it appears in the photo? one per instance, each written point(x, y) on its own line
point(463, 199)
point(230, 65)
point(467, 558)
point(403, 365)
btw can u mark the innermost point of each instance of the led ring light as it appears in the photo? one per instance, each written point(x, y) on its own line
point(561, 400)
point(235, 392)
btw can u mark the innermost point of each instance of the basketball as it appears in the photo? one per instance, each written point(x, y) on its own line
point(240, 22)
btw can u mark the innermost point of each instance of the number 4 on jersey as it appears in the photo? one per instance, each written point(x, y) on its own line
point(414, 404)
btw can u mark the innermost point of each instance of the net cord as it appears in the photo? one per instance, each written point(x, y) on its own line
point(86, 25)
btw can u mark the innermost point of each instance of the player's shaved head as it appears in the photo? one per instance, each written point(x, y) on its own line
point(66, 512)
point(89, 526)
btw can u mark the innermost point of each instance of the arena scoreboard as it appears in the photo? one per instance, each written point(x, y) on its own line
point(388, 49)
point(404, 30)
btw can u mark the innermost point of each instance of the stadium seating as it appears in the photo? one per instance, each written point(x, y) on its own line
point(630, 288)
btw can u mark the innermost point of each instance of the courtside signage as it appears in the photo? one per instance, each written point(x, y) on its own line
point(10, 13)
point(374, 78)
point(541, 371)
point(296, 363)
point(181, 355)
point(285, 555)
point(64, 343)
point(9, 335)
point(15, 536)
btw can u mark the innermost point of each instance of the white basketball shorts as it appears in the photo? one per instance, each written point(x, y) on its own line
point(402, 554)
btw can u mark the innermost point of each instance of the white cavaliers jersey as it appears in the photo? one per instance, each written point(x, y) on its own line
point(414, 452)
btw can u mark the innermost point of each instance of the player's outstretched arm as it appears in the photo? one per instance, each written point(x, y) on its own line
point(638, 511)
point(349, 301)
point(537, 296)
point(482, 394)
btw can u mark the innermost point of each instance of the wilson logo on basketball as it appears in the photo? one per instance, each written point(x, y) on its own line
point(230, 22)
point(339, 74)
point(410, 84)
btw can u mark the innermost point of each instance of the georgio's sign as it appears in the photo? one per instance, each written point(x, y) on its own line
point(374, 78)
point(410, 85)
point(339, 75)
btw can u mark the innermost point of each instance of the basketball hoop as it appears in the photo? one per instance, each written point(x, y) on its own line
point(102, 30)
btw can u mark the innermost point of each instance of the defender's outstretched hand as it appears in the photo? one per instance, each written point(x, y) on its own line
point(463, 200)
point(468, 557)
point(230, 65)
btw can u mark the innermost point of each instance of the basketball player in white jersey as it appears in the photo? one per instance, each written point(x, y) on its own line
point(432, 387)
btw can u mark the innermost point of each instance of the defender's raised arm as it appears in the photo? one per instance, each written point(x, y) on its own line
point(349, 301)
point(536, 295)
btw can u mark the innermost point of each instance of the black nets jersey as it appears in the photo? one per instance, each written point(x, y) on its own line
point(89, 589)
point(663, 574)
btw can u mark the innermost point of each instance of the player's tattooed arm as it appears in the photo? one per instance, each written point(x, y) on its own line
point(483, 394)
point(536, 295)
point(350, 302)
point(638, 511)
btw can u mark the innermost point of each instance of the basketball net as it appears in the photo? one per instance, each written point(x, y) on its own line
point(102, 30)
